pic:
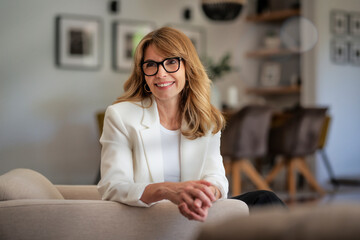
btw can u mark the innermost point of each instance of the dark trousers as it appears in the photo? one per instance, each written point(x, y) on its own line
point(260, 198)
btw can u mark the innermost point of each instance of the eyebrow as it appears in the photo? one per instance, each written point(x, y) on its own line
point(149, 60)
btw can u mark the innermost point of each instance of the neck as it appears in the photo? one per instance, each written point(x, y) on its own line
point(169, 114)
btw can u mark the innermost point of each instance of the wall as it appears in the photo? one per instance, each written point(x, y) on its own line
point(47, 120)
point(338, 87)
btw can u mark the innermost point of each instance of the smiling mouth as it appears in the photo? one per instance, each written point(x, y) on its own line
point(164, 84)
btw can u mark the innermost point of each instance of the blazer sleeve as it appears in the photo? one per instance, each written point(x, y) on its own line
point(214, 170)
point(117, 173)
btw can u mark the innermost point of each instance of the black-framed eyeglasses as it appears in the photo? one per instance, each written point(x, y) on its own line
point(171, 65)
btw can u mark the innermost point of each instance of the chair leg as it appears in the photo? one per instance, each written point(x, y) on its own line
point(236, 178)
point(255, 177)
point(271, 176)
point(227, 166)
point(291, 177)
point(303, 168)
point(328, 167)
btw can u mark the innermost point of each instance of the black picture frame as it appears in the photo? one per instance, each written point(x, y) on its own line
point(196, 34)
point(126, 34)
point(78, 41)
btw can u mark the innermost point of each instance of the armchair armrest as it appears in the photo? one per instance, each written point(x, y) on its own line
point(79, 192)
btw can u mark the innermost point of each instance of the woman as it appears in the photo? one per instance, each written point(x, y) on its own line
point(161, 139)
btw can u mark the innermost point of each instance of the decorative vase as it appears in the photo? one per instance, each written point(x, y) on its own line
point(271, 42)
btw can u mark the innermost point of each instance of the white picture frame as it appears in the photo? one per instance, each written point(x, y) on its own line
point(78, 41)
point(126, 36)
point(339, 22)
point(196, 35)
point(339, 51)
point(270, 74)
point(354, 24)
point(354, 53)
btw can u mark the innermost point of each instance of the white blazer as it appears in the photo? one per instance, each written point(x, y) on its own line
point(131, 156)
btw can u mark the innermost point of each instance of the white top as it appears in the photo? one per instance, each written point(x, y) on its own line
point(170, 145)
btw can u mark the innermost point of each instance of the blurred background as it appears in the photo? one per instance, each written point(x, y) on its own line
point(62, 62)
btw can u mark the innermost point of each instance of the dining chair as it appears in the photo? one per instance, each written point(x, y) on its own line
point(295, 140)
point(243, 140)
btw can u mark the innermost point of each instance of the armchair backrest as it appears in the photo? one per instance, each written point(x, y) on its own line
point(299, 136)
point(246, 134)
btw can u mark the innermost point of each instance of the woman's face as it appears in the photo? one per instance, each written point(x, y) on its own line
point(163, 85)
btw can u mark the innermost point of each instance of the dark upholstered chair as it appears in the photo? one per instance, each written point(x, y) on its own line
point(294, 140)
point(244, 138)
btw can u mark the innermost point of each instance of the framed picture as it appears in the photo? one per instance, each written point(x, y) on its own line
point(339, 51)
point(196, 35)
point(78, 42)
point(354, 22)
point(339, 22)
point(126, 37)
point(354, 53)
point(270, 74)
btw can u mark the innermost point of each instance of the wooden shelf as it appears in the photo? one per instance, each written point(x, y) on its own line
point(264, 53)
point(274, 16)
point(280, 90)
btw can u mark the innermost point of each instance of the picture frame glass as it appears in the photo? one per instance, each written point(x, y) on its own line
point(127, 37)
point(339, 51)
point(197, 36)
point(339, 22)
point(355, 53)
point(270, 74)
point(354, 24)
point(78, 42)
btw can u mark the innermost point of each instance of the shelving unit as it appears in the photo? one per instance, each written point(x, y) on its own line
point(274, 15)
point(265, 53)
point(279, 90)
point(284, 92)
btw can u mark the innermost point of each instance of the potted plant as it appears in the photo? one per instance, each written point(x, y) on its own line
point(219, 69)
point(272, 40)
point(216, 70)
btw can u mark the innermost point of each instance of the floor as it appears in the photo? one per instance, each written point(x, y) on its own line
point(343, 193)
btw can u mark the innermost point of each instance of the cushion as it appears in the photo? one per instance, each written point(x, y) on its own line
point(26, 184)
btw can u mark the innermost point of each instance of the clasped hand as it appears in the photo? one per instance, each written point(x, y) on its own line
point(193, 198)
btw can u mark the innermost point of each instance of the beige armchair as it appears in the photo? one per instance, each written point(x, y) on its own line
point(31, 207)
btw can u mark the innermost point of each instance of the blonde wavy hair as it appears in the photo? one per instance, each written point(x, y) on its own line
point(197, 113)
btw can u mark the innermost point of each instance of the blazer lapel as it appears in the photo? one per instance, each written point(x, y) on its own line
point(152, 141)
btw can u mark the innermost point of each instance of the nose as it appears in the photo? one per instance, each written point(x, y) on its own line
point(161, 72)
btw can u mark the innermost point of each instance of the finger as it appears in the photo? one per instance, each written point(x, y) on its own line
point(192, 215)
point(197, 203)
point(194, 205)
point(198, 210)
point(208, 191)
point(204, 182)
point(183, 211)
point(188, 199)
point(196, 193)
